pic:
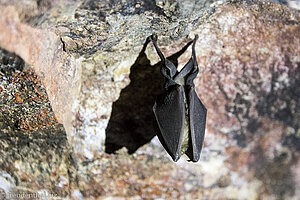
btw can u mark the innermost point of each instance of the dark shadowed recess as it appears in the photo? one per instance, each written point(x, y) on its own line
point(132, 122)
point(10, 62)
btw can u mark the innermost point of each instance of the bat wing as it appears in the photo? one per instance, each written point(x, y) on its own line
point(197, 112)
point(169, 111)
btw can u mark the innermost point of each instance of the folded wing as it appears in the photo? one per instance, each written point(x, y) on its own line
point(169, 111)
point(197, 113)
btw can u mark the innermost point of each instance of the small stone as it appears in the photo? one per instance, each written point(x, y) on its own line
point(224, 181)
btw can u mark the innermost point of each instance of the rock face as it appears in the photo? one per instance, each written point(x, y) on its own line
point(89, 41)
point(34, 150)
point(86, 52)
point(250, 85)
point(43, 50)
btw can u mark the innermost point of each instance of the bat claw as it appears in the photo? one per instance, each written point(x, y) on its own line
point(153, 37)
point(196, 37)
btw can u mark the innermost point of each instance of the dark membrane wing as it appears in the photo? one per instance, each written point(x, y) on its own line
point(197, 113)
point(169, 112)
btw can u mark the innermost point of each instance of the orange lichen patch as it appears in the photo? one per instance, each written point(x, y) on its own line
point(31, 108)
point(33, 78)
point(18, 98)
point(44, 119)
point(24, 125)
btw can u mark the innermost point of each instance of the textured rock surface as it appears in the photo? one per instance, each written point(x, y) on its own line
point(85, 52)
point(34, 152)
point(100, 38)
point(43, 50)
point(250, 84)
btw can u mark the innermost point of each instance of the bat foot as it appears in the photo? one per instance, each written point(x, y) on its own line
point(196, 37)
point(153, 37)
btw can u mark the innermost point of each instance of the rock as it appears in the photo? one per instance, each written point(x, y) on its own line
point(250, 58)
point(44, 51)
point(86, 52)
point(34, 151)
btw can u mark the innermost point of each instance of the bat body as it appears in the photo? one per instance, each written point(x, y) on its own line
point(180, 115)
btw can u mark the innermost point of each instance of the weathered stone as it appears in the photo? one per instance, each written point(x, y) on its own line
point(250, 56)
point(34, 151)
point(43, 50)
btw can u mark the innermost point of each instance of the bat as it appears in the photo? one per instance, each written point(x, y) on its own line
point(179, 113)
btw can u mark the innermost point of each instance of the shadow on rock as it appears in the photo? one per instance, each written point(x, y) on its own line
point(132, 122)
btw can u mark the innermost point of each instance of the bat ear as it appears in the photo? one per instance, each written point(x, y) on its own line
point(171, 67)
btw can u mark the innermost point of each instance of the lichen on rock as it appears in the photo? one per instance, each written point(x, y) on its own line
point(34, 149)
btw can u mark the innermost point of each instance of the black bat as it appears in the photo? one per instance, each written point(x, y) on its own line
point(180, 115)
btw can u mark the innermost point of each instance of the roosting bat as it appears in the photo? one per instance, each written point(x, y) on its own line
point(180, 115)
